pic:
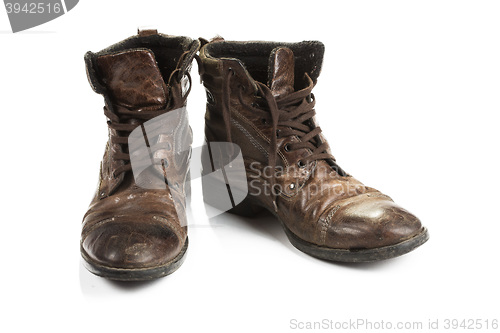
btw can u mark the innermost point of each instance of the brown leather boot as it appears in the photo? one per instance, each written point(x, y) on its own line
point(260, 98)
point(135, 227)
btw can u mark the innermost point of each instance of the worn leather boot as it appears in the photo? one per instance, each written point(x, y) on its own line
point(135, 227)
point(260, 98)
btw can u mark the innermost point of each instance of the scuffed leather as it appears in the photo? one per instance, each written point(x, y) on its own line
point(137, 217)
point(128, 226)
point(107, 181)
point(281, 67)
point(130, 244)
point(345, 214)
point(133, 78)
point(367, 221)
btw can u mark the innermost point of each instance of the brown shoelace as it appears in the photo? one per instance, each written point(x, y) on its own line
point(124, 121)
point(291, 115)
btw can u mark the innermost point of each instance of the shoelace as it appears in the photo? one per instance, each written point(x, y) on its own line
point(290, 115)
point(124, 121)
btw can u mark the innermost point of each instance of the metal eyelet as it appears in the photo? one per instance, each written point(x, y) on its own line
point(286, 147)
point(301, 164)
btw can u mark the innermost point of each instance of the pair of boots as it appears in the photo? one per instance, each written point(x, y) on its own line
point(259, 99)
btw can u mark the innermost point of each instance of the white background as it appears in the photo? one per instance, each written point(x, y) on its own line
point(409, 98)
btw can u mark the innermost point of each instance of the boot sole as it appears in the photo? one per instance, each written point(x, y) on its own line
point(134, 274)
point(358, 255)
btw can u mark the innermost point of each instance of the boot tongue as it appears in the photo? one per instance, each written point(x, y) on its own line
point(133, 78)
point(281, 71)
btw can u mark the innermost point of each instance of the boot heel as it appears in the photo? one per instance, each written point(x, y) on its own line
point(219, 199)
point(246, 208)
point(225, 188)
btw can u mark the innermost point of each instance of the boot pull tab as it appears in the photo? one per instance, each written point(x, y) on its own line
point(281, 71)
point(217, 38)
point(146, 32)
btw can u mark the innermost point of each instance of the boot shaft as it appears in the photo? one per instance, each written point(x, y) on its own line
point(142, 78)
point(144, 71)
point(234, 76)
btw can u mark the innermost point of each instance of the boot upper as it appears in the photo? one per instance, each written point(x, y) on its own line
point(139, 221)
point(259, 96)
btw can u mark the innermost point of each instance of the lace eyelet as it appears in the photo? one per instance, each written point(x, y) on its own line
point(278, 133)
point(231, 71)
point(264, 121)
point(287, 147)
point(301, 164)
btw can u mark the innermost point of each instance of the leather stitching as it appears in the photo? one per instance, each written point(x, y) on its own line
point(249, 136)
point(326, 224)
point(259, 133)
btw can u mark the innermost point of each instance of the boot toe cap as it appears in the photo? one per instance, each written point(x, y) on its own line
point(371, 223)
point(132, 245)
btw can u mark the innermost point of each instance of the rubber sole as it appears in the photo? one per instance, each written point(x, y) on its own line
point(135, 274)
point(358, 255)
